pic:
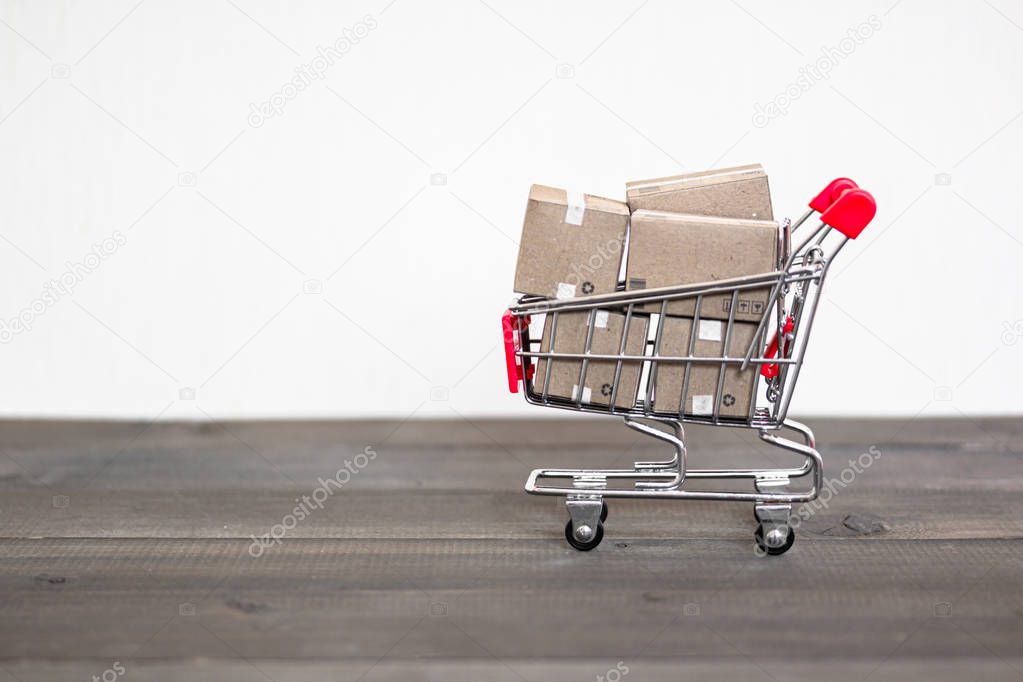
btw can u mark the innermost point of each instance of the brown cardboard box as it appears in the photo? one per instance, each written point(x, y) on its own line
point(701, 395)
point(607, 337)
point(667, 249)
point(571, 244)
point(740, 192)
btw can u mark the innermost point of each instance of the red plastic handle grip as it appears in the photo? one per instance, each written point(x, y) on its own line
point(514, 373)
point(852, 212)
point(771, 371)
point(831, 193)
point(510, 325)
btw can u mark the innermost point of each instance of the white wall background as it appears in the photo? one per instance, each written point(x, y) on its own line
point(133, 118)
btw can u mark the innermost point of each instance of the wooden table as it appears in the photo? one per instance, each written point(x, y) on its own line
point(128, 547)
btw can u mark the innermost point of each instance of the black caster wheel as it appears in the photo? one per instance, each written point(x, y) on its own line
point(773, 551)
point(603, 511)
point(590, 540)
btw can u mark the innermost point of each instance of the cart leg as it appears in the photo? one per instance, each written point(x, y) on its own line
point(585, 527)
point(676, 465)
point(774, 535)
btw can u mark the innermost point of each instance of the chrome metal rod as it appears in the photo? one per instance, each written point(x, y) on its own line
point(637, 297)
point(648, 484)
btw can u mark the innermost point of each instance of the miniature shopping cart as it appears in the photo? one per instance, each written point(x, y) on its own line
point(775, 354)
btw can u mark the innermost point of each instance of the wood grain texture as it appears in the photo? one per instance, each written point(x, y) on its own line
point(131, 543)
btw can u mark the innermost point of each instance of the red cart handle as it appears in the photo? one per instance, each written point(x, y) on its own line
point(511, 326)
point(851, 212)
point(831, 193)
point(771, 371)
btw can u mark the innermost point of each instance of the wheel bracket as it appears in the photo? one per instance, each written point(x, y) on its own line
point(584, 511)
point(774, 523)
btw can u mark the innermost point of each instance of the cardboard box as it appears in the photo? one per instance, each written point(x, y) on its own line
point(740, 192)
point(571, 244)
point(702, 391)
point(607, 337)
point(667, 249)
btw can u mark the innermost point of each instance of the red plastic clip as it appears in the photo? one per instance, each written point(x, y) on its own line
point(852, 212)
point(831, 193)
point(771, 371)
point(511, 326)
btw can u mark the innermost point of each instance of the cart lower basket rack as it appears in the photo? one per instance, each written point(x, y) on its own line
point(776, 354)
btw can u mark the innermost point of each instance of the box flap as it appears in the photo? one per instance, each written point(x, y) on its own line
point(700, 179)
point(553, 195)
point(687, 219)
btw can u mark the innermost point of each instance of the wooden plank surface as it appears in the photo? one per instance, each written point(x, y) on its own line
point(130, 543)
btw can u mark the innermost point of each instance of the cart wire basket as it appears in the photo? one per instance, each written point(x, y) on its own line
point(775, 354)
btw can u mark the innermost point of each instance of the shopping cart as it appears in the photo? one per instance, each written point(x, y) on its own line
point(777, 350)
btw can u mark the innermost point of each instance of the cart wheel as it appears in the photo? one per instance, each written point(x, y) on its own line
point(603, 511)
point(591, 538)
point(774, 551)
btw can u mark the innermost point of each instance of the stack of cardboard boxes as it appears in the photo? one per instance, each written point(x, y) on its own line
point(699, 227)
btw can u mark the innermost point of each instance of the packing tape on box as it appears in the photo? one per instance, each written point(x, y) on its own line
point(703, 404)
point(600, 319)
point(587, 393)
point(710, 330)
point(565, 291)
point(576, 208)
